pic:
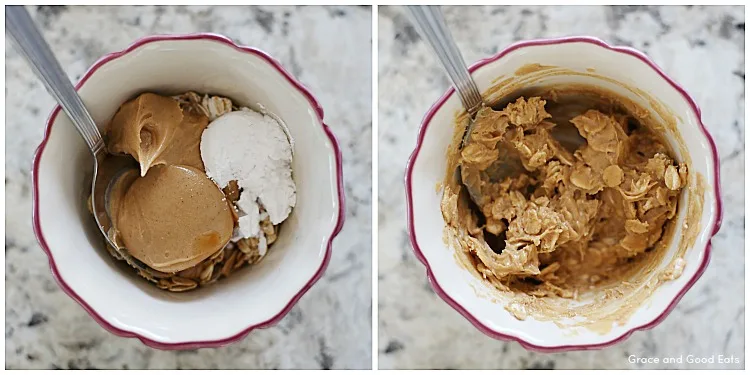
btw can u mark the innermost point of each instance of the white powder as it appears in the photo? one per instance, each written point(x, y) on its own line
point(254, 150)
point(249, 221)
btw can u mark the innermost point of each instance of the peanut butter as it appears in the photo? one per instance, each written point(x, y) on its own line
point(172, 216)
point(155, 131)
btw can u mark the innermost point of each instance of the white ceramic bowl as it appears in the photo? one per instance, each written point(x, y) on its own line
point(427, 167)
point(254, 297)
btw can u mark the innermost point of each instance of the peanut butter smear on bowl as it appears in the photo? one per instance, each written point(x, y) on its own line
point(571, 219)
point(172, 216)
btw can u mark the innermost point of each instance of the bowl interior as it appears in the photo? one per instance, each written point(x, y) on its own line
point(250, 296)
point(482, 303)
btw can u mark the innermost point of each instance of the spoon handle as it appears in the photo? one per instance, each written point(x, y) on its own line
point(31, 44)
point(431, 25)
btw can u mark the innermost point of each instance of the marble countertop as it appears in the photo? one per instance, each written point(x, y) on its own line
point(330, 327)
point(701, 47)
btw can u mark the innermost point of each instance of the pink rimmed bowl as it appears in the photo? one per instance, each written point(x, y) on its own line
point(427, 166)
point(255, 297)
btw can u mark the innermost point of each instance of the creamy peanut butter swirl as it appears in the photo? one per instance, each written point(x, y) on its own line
point(570, 219)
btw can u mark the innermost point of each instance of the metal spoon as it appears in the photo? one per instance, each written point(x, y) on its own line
point(107, 168)
point(431, 25)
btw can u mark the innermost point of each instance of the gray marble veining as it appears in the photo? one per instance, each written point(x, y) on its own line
point(701, 47)
point(329, 50)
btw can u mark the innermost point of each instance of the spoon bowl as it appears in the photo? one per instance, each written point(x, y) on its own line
point(107, 169)
point(431, 25)
point(39, 56)
point(508, 164)
point(108, 172)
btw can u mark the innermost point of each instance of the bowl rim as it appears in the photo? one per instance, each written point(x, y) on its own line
point(339, 187)
point(510, 337)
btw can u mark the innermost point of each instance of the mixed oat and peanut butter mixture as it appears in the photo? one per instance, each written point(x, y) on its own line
point(569, 220)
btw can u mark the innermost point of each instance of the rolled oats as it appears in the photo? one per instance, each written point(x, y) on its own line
point(228, 265)
point(613, 175)
point(672, 178)
point(205, 275)
point(216, 106)
point(177, 284)
point(683, 171)
point(244, 244)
